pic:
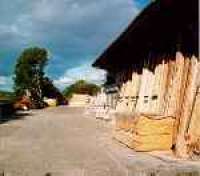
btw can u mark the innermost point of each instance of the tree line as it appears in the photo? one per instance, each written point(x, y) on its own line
point(30, 79)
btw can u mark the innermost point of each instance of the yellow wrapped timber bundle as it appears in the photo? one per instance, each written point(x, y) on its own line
point(144, 133)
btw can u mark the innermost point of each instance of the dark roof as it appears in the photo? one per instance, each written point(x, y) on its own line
point(163, 27)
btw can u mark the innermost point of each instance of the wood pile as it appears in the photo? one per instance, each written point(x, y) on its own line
point(145, 91)
point(79, 100)
point(128, 95)
point(122, 105)
point(159, 87)
point(152, 88)
point(188, 135)
point(194, 129)
point(143, 132)
point(98, 106)
point(168, 92)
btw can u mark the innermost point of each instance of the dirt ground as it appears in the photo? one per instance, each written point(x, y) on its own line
point(64, 141)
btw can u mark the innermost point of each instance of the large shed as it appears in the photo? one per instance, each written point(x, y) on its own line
point(155, 63)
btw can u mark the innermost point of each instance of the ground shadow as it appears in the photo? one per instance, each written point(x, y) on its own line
point(18, 115)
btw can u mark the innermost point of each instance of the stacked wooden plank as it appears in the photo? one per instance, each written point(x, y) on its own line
point(152, 88)
point(145, 129)
point(101, 108)
point(151, 131)
point(123, 101)
point(159, 88)
point(122, 105)
point(159, 108)
point(184, 117)
point(175, 80)
point(144, 133)
point(79, 100)
point(146, 86)
point(128, 94)
point(134, 91)
point(194, 128)
point(169, 92)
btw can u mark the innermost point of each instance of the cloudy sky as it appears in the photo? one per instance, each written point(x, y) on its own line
point(74, 31)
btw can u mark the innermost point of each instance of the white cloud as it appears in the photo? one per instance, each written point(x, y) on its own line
point(71, 29)
point(3, 80)
point(83, 72)
point(57, 21)
point(6, 83)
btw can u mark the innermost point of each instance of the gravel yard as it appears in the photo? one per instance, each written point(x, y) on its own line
point(62, 141)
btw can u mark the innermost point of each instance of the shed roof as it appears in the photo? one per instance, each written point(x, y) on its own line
point(163, 27)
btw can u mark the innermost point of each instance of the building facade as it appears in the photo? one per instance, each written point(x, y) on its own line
point(155, 63)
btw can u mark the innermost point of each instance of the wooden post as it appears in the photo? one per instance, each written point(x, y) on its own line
point(163, 86)
point(136, 79)
point(175, 83)
point(145, 89)
point(180, 93)
point(186, 108)
point(168, 110)
point(159, 88)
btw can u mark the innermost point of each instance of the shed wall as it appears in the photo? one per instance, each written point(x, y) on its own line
point(168, 90)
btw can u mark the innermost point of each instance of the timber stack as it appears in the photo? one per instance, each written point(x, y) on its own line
point(103, 104)
point(155, 64)
point(79, 100)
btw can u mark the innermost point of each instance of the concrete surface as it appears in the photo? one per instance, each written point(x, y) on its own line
point(63, 141)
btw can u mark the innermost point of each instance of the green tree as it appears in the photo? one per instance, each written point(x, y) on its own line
point(29, 72)
point(81, 87)
point(50, 91)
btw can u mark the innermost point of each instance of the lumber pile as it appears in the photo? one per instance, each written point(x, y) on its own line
point(143, 132)
point(128, 95)
point(145, 92)
point(166, 88)
point(187, 101)
point(159, 87)
point(194, 129)
point(99, 107)
point(152, 87)
point(79, 100)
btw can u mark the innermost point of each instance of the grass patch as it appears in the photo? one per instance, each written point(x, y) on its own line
point(5, 95)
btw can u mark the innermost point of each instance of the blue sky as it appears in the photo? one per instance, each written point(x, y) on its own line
point(75, 32)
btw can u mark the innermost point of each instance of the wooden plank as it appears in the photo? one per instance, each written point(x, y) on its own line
point(159, 88)
point(143, 133)
point(194, 125)
point(122, 104)
point(169, 87)
point(187, 108)
point(145, 92)
point(194, 129)
point(180, 94)
point(128, 94)
point(175, 77)
point(134, 87)
point(163, 86)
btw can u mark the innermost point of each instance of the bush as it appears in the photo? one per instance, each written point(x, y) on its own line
point(81, 87)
